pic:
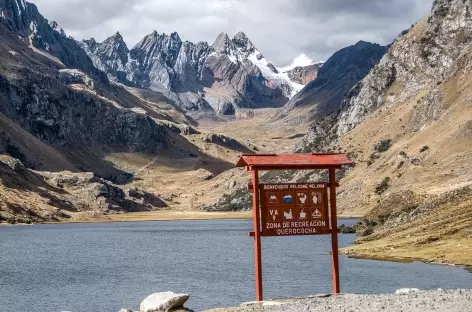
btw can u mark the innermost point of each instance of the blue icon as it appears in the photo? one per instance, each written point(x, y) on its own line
point(287, 199)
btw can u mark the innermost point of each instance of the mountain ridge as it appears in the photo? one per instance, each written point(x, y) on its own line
point(407, 125)
point(231, 67)
point(335, 78)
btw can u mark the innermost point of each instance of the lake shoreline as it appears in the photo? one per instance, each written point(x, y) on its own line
point(401, 259)
point(161, 215)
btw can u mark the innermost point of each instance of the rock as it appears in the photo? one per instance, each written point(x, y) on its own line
point(406, 291)
point(415, 161)
point(272, 68)
point(13, 163)
point(304, 74)
point(25, 19)
point(349, 229)
point(204, 174)
point(238, 199)
point(163, 301)
point(134, 192)
point(225, 141)
point(251, 303)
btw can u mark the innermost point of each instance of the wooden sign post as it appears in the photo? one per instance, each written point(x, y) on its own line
point(294, 208)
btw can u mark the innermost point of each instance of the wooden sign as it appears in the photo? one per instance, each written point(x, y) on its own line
point(294, 209)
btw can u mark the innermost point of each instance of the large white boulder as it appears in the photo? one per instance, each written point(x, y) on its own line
point(163, 301)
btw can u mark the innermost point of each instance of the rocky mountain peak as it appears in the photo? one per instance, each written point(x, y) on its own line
point(116, 41)
point(447, 9)
point(362, 43)
point(174, 36)
point(109, 56)
point(14, 13)
point(55, 26)
point(180, 70)
point(117, 36)
point(114, 47)
point(222, 43)
point(24, 19)
point(89, 45)
point(242, 42)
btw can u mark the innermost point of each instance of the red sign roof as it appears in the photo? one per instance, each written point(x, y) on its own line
point(293, 161)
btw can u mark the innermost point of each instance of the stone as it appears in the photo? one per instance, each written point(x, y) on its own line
point(134, 192)
point(304, 74)
point(15, 164)
point(402, 291)
point(163, 301)
point(346, 229)
point(204, 174)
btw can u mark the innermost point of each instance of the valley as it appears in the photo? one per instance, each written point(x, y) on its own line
point(97, 131)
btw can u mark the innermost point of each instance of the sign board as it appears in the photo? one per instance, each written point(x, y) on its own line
point(294, 209)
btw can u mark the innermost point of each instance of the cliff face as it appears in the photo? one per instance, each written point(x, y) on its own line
point(424, 54)
point(304, 74)
point(34, 30)
point(420, 59)
point(45, 107)
point(55, 103)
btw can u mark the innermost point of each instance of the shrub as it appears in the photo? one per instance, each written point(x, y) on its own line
point(382, 186)
point(383, 145)
point(367, 231)
point(415, 161)
point(424, 149)
point(372, 158)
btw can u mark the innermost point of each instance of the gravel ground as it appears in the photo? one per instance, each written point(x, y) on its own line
point(423, 301)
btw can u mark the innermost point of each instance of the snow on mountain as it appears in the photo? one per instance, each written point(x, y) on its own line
point(274, 75)
point(230, 74)
point(241, 49)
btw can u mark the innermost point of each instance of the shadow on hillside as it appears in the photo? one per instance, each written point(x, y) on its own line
point(182, 152)
point(26, 180)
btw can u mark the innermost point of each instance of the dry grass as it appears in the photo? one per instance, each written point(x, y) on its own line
point(445, 166)
point(163, 215)
point(184, 181)
point(267, 135)
point(442, 236)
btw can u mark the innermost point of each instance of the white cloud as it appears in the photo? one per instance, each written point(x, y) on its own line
point(281, 29)
point(301, 60)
